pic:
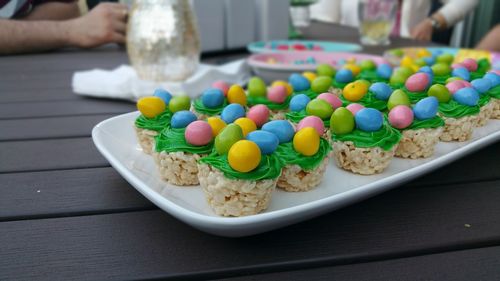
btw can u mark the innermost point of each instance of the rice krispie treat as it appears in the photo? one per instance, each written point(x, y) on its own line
point(368, 95)
point(276, 98)
point(460, 120)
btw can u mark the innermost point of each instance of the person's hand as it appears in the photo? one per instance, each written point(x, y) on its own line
point(106, 23)
point(422, 31)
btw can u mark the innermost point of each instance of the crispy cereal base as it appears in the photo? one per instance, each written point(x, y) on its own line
point(496, 108)
point(418, 143)
point(178, 168)
point(364, 161)
point(295, 179)
point(458, 129)
point(485, 114)
point(146, 139)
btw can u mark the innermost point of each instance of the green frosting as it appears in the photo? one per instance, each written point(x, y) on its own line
point(157, 123)
point(271, 105)
point(269, 167)
point(296, 116)
point(385, 138)
point(372, 76)
point(310, 93)
point(368, 100)
point(483, 65)
point(415, 96)
point(494, 92)
point(435, 122)
point(201, 108)
point(440, 79)
point(396, 86)
point(455, 110)
point(339, 85)
point(476, 75)
point(289, 156)
point(483, 100)
point(172, 140)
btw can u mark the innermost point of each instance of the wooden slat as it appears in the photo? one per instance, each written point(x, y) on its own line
point(38, 95)
point(136, 245)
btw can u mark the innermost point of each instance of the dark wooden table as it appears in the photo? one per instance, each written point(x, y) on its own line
point(65, 214)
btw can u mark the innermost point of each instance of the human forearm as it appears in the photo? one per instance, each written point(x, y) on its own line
point(491, 41)
point(54, 11)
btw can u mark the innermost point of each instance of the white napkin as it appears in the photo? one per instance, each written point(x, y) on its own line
point(123, 83)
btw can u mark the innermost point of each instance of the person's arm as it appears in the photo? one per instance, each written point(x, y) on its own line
point(491, 42)
point(54, 11)
point(103, 24)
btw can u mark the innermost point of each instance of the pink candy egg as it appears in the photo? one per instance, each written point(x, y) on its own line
point(470, 64)
point(455, 65)
point(223, 86)
point(456, 85)
point(496, 71)
point(354, 108)
point(259, 114)
point(418, 82)
point(332, 99)
point(401, 116)
point(314, 122)
point(277, 94)
point(198, 133)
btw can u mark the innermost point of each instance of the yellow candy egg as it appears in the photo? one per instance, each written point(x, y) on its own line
point(306, 141)
point(414, 67)
point(355, 91)
point(309, 75)
point(236, 94)
point(289, 89)
point(244, 156)
point(422, 53)
point(407, 61)
point(355, 69)
point(216, 124)
point(247, 125)
point(151, 106)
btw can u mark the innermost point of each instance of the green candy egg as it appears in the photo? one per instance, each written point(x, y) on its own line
point(179, 103)
point(320, 108)
point(445, 58)
point(227, 137)
point(342, 121)
point(403, 70)
point(257, 87)
point(368, 65)
point(440, 92)
point(397, 52)
point(420, 62)
point(321, 84)
point(325, 70)
point(441, 69)
point(398, 97)
point(397, 78)
point(451, 79)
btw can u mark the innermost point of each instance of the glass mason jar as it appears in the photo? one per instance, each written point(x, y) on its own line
point(163, 43)
point(376, 21)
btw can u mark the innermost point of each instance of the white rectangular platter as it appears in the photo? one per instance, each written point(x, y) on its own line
point(116, 140)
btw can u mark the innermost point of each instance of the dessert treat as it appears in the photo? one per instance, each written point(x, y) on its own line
point(276, 98)
point(361, 92)
point(416, 86)
point(362, 143)
point(210, 103)
point(321, 107)
point(301, 85)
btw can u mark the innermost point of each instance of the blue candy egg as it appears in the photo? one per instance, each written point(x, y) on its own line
point(481, 85)
point(232, 112)
point(369, 120)
point(466, 96)
point(494, 79)
point(281, 128)
point(496, 65)
point(182, 118)
point(212, 98)
point(381, 90)
point(384, 71)
point(461, 72)
point(344, 76)
point(299, 82)
point(299, 102)
point(426, 108)
point(429, 60)
point(427, 70)
point(163, 94)
point(267, 141)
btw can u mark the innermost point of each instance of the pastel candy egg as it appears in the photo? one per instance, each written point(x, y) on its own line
point(267, 142)
point(244, 156)
point(397, 79)
point(493, 77)
point(354, 107)
point(299, 102)
point(198, 133)
point(441, 69)
point(182, 118)
point(236, 94)
point(221, 85)
point(299, 82)
point(313, 122)
point(495, 71)
point(332, 99)
point(384, 71)
point(454, 86)
point(212, 98)
point(289, 89)
point(227, 137)
point(277, 94)
point(426, 69)
point(232, 112)
point(344, 76)
point(216, 124)
point(455, 65)
point(446, 58)
point(426, 108)
point(355, 69)
point(321, 84)
point(306, 141)
point(309, 75)
point(440, 92)
point(355, 91)
point(398, 97)
point(320, 108)
point(151, 106)
point(259, 114)
point(451, 79)
point(470, 64)
point(429, 60)
point(247, 125)
point(369, 120)
point(405, 71)
point(418, 82)
point(481, 85)
point(257, 87)
point(163, 94)
point(367, 65)
point(342, 121)
point(401, 116)
point(179, 103)
point(461, 72)
point(281, 128)
point(325, 70)
point(381, 90)
point(466, 96)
